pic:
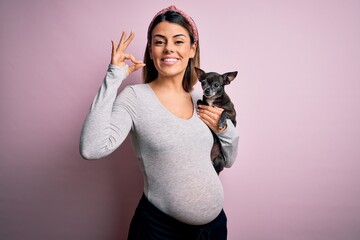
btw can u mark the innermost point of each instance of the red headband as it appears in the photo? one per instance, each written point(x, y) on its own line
point(187, 17)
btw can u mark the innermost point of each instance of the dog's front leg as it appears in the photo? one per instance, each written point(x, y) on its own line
point(222, 120)
point(201, 102)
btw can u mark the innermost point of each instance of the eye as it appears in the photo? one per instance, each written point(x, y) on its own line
point(179, 42)
point(216, 85)
point(159, 42)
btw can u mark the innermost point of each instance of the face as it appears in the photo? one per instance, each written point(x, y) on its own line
point(212, 84)
point(171, 49)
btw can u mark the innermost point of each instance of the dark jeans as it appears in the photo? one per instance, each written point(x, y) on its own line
point(150, 223)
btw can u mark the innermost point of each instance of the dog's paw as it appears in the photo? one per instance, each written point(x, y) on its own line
point(201, 102)
point(222, 124)
point(222, 120)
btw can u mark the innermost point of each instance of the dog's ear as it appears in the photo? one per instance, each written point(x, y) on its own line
point(228, 77)
point(199, 73)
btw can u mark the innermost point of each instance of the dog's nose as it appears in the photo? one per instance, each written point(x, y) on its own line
point(207, 91)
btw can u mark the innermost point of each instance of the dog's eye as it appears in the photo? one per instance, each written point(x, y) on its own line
point(216, 85)
point(202, 83)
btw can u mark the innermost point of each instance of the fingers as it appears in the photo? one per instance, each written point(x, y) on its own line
point(213, 111)
point(128, 40)
point(135, 67)
point(130, 57)
point(112, 47)
point(124, 43)
point(210, 116)
point(118, 55)
point(121, 41)
point(137, 64)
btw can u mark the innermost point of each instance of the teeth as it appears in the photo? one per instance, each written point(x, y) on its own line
point(169, 59)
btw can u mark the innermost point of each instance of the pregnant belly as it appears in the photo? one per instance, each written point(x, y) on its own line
point(194, 196)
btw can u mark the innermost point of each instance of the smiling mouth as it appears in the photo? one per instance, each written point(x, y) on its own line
point(169, 60)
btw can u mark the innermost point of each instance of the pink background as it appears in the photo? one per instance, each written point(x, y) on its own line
point(297, 96)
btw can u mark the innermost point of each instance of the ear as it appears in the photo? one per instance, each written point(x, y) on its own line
point(228, 77)
point(193, 50)
point(199, 73)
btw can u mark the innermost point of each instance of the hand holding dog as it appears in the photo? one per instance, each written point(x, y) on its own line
point(118, 55)
point(211, 116)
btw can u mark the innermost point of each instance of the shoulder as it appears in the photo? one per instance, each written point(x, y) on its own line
point(131, 97)
point(138, 87)
point(135, 90)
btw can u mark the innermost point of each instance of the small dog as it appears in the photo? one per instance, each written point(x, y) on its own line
point(213, 85)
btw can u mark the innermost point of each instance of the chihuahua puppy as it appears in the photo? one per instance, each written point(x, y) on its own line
point(213, 85)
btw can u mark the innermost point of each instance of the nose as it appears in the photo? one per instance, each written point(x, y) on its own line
point(207, 91)
point(169, 47)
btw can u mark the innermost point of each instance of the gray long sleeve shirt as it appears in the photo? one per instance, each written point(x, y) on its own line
point(174, 153)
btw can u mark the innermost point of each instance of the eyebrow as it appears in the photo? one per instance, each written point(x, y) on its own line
point(177, 35)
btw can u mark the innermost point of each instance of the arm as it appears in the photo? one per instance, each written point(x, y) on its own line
point(228, 136)
point(229, 140)
point(110, 118)
point(109, 121)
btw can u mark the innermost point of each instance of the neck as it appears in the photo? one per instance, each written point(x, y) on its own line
point(173, 84)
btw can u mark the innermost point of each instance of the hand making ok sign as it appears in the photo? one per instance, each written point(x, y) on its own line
point(118, 54)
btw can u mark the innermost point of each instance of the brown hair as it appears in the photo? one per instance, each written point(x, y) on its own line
point(149, 71)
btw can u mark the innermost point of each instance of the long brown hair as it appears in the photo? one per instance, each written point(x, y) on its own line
point(149, 71)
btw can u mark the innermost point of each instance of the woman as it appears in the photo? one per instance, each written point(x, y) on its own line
point(183, 196)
